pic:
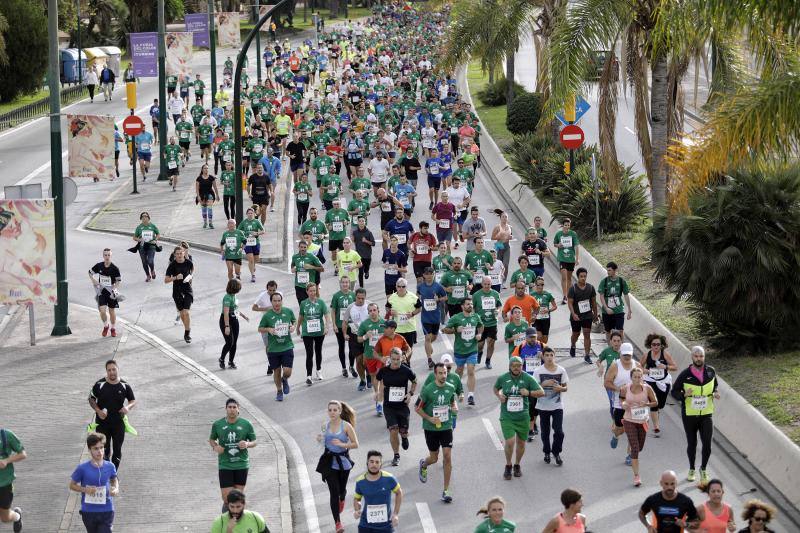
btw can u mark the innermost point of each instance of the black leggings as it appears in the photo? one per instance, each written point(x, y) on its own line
point(557, 418)
point(229, 205)
point(342, 344)
point(302, 211)
point(115, 436)
point(147, 254)
point(660, 396)
point(313, 347)
point(337, 488)
point(705, 425)
point(230, 340)
point(364, 270)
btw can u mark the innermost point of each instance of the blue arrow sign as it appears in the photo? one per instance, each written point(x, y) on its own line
point(581, 107)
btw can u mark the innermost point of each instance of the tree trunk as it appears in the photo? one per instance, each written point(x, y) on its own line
point(509, 79)
point(491, 75)
point(659, 130)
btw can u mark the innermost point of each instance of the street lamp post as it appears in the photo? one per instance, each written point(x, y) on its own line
point(212, 34)
point(258, 47)
point(237, 104)
point(80, 48)
point(162, 95)
point(61, 323)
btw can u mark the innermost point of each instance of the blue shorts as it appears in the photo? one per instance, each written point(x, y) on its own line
point(539, 271)
point(295, 166)
point(281, 359)
point(255, 250)
point(144, 156)
point(462, 360)
point(461, 217)
point(434, 182)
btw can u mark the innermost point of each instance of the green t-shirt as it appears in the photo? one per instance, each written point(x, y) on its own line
point(372, 331)
point(199, 87)
point(515, 332)
point(486, 305)
point(437, 401)
point(231, 302)
point(250, 522)
point(13, 446)
point(146, 232)
point(184, 129)
point(441, 264)
point(255, 147)
point(247, 227)
point(459, 280)
point(452, 378)
point(337, 220)
point(361, 184)
point(478, 262)
point(204, 130)
point(228, 179)
point(173, 154)
point(361, 207)
point(612, 290)
point(544, 298)
point(516, 406)
point(339, 304)
point(487, 526)
point(313, 315)
point(302, 277)
point(465, 341)
point(172, 81)
point(226, 124)
point(566, 254)
point(317, 229)
point(197, 111)
point(608, 356)
point(226, 149)
point(301, 192)
point(233, 241)
point(542, 233)
point(528, 276)
point(331, 187)
point(282, 322)
point(228, 436)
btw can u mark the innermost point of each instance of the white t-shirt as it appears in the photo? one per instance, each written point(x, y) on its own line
point(357, 314)
point(379, 170)
point(263, 300)
point(457, 196)
point(551, 400)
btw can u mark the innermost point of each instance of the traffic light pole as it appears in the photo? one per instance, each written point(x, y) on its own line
point(212, 37)
point(258, 48)
point(162, 95)
point(237, 104)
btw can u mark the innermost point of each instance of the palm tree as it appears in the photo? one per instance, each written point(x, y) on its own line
point(3, 29)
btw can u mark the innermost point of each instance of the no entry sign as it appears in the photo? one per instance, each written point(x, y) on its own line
point(571, 137)
point(133, 125)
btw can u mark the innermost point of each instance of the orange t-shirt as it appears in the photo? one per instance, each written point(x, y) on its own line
point(385, 345)
point(527, 303)
point(294, 63)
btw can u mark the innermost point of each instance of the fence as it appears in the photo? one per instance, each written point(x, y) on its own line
point(40, 108)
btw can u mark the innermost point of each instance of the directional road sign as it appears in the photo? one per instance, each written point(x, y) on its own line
point(581, 107)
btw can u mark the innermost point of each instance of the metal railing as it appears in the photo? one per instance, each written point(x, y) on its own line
point(40, 107)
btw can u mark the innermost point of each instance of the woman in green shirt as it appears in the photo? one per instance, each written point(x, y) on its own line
point(146, 234)
point(229, 323)
point(313, 324)
point(302, 197)
point(252, 229)
point(494, 522)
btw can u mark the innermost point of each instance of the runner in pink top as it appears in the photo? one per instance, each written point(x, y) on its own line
point(570, 520)
point(638, 399)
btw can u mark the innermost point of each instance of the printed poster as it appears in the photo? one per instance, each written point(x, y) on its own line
point(144, 54)
point(228, 30)
point(179, 53)
point(27, 252)
point(262, 10)
point(90, 140)
point(197, 23)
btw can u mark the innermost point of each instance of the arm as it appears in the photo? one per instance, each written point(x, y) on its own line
point(398, 500)
point(608, 382)
point(551, 527)
point(19, 456)
point(671, 366)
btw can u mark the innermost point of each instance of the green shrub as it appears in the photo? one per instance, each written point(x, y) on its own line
point(26, 48)
point(526, 155)
point(734, 256)
point(619, 211)
point(523, 113)
point(494, 94)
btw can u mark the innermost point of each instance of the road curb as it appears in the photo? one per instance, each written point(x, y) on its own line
point(754, 437)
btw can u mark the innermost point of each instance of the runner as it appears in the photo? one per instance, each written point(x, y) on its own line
point(183, 128)
point(582, 313)
point(106, 287)
point(524, 274)
point(297, 154)
point(146, 235)
point(206, 194)
point(230, 438)
point(494, 522)
point(570, 520)
point(433, 169)
point(238, 518)
point(357, 312)
point(435, 404)
point(607, 357)
point(144, 142)
point(616, 380)
point(306, 269)
point(395, 265)
point(313, 312)
point(421, 245)
point(715, 515)
point(302, 193)
point(340, 301)
point(534, 248)
point(514, 389)
point(566, 241)
point(179, 273)
point(404, 306)
point(337, 221)
point(173, 156)
point(433, 296)
point(550, 407)
point(258, 190)
point(612, 290)
point(516, 329)
point(11, 451)
point(757, 514)
point(467, 328)
point(639, 399)
point(672, 511)
point(460, 198)
point(364, 241)
point(252, 229)
point(696, 389)
point(338, 436)
point(477, 261)
point(372, 501)
point(396, 384)
point(443, 214)
point(486, 303)
point(547, 306)
point(96, 480)
point(472, 228)
point(276, 328)
point(399, 228)
point(229, 323)
point(497, 272)
point(657, 364)
point(107, 399)
point(527, 303)
point(457, 284)
point(231, 245)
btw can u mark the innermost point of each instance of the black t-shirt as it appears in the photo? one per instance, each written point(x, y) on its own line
point(107, 275)
point(578, 295)
point(259, 185)
point(529, 246)
point(668, 512)
point(295, 150)
point(111, 397)
point(185, 268)
point(407, 164)
point(206, 186)
point(395, 378)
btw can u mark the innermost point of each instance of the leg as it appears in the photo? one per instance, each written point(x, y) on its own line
point(706, 432)
point(234, 338)
point(489, 349)
point(318, 350)
point(394, 440)
point(565, 278)
point(508, 449)
point(520, 450)
point(448, 466)
point(544, 420)
point(471, 378)
point(587, 341)
point(558, 430)
point(690, 427)
point(227, 337)
point(340, 341)
point(308, 342)
point(143, 257)
point(103, 316)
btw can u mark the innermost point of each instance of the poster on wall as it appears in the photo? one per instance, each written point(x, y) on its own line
point(179, 53)
point(228, 30)
point(90, 143)
point(27, 252)
point(197, 23)
point(144, 54)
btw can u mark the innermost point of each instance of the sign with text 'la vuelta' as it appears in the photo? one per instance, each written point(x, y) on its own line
point(144, 54)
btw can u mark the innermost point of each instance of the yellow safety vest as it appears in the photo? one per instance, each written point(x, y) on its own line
point(699, 399)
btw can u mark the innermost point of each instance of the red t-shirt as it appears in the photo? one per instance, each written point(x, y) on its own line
point(443, 211)
point(427, 240)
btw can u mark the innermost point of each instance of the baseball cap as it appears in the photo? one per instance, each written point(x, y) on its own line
point(514, 359)
point(626, 348)
point(446, 359)
point(530, 332)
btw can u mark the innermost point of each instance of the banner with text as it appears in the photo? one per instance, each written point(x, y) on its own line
point(28, 261)
point(91, 146)
point(228, 30)
point(144, 54)
point(197, 23)
point(179, 53)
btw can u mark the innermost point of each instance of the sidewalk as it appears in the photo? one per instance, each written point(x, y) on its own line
point(168, 475)
point(178, 217)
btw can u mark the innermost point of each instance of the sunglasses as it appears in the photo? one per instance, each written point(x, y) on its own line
point(760, 518)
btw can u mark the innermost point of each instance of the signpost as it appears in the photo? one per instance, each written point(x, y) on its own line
point(581, 107)
point(571, 137)
point(133, 126)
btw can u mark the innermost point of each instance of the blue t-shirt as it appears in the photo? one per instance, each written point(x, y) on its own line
point(433, 166)
point(89, 475)
point(398, 259)
point(143, 142)
point(154, 112)
point(402, 192)
point(430, 292)
point(376, 500)
point(404, 227)
point(118, 138)
point(447, 164)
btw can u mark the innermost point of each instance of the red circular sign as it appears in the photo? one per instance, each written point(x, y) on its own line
point(132, 125)
point(571, 137)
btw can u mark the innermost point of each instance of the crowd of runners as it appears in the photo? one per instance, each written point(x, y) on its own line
point(369, 100)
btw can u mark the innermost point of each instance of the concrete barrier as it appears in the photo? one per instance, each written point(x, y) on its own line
point(766, 447)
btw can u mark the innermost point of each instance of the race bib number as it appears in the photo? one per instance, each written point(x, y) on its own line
point(302, 277)
point(98, 498)
point(144, 147)
point(434, 169)
point(356, 99)
point(459, 291)
point(468, 332)
point(314, 325)
point(281, 330)
point(397, 394)
point(584, 306)
point(333, 190)
point(530, 364)
point(337, 226)
point(343, 314)
point(444, 223)
point(172, 164)
point(105, 281)
point(429, 304)
point(377, 514)
point(392, 271)
point(231, 243)
point(373, 339)
point(495, 279)
point(514, 404)
point(402, 320)
point(477, 277)
point(534, 260)
point(302, 196)
point(184, 135)
point(519, 338)
point(147, 235)
point(226, 157)
point(700, 403)
point(640, 413)
point(437, 277)
point(323, 171)
point(488, 303)
point(258, 148)
point(442, 412)
point(656, 373)
point(612, 301)
point(566, 242)
point(454, 130)
point(251, 241)
point(401, 238)
point(422, 248)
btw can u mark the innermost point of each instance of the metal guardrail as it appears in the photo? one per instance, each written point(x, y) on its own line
point(40, 107)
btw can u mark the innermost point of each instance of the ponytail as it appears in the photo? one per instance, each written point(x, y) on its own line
point(348, 414)
point(485, 509)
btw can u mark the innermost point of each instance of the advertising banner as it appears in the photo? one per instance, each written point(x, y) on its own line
point(144, 54)
point(228, 30)
point(28, 261)
point(91, 146)
point(262, 10)
point(179, 53)
point(197, 23)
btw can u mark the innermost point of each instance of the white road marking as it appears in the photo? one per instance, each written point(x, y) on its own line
point(425, 517)
point(498, 442)
point(630, 130)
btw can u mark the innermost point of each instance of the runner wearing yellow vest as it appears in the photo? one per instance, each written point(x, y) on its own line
point(696, 389)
